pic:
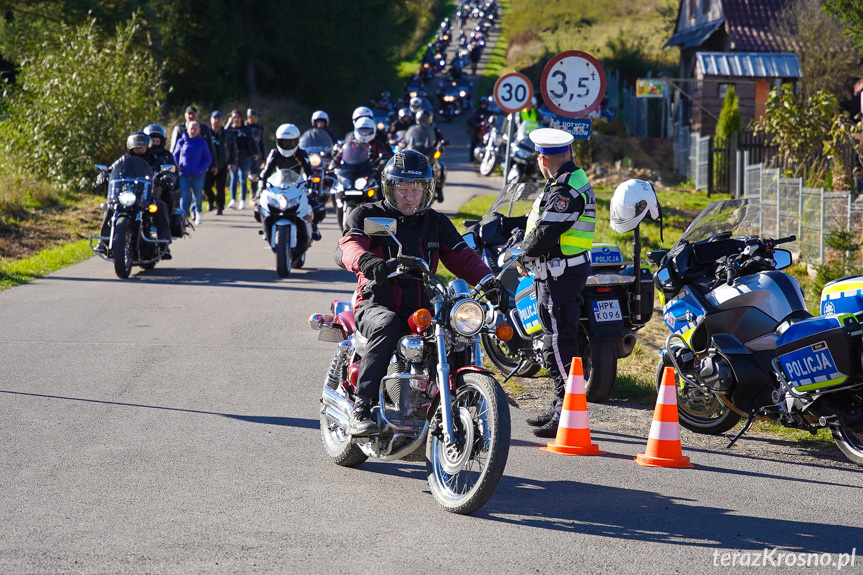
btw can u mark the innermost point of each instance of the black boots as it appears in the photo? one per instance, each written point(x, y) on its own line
point(361, 423)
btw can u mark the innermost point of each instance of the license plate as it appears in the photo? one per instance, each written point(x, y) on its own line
point(607, 310)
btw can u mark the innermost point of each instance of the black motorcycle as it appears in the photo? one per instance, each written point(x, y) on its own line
point(132, 240)
point(355, 182)
point(318, 144)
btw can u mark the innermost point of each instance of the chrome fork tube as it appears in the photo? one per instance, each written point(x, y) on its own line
point(443, 381)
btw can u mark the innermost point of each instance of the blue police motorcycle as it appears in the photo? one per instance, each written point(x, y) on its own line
point(616, 304)
point(742, 342)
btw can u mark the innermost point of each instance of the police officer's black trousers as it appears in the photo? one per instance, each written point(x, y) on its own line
point(559, 313)
point(383, 328)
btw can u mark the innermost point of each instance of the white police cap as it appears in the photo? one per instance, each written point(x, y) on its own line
point(551, 141)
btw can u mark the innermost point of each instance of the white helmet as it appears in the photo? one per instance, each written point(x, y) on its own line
point(631, 202)
point(320, 115)
point(364, 130)
point(416, 104)
point(361, 112)
point(287, 139)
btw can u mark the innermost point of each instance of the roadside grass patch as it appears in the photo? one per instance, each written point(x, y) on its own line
point(17, 272)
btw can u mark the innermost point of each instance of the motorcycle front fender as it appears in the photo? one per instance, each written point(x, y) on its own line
point(292, 231)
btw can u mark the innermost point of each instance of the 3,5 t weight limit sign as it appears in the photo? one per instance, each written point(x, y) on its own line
point(573, 84)
point(512, 92)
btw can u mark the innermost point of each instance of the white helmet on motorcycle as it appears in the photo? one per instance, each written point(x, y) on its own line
point(287, 139)
point(416, 104)
point(320, 115)
point(631, 202)
point(364, 130)
point(361, 112)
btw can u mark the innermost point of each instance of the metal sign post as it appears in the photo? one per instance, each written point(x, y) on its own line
point(512, 92)
point(511, 120)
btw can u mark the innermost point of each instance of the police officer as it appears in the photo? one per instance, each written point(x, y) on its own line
point(558, 237)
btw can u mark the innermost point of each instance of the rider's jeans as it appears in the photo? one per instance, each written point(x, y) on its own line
point(240, 176)
point(190, 186)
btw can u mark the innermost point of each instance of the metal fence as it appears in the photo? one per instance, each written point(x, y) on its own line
point(789, 208)
point(681, 148)
point(699, 161)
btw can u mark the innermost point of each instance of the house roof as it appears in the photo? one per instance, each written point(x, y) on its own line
point(750, 23)
point(694, 37)
point(749, 64)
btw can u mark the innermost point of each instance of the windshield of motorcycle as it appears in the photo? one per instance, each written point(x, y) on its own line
point(283, 178)
point(316, 140)
point(355, 152)
point(515, 200)
point(133, 175)
point(741, 217)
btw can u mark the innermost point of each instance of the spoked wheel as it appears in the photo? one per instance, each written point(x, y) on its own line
point(504, 355)
point(599, 361)
point(489, 160)
point(697, 411)
point(124, 247)
point(337, 444)
point(283, 252)
point(464, 474)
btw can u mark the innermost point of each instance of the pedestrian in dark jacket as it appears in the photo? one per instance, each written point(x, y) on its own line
point(192, 155)
point(225, 161)
point(247, 155)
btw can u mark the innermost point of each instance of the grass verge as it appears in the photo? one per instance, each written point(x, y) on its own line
point(49, 260)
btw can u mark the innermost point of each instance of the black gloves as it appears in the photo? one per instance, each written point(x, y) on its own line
point(374, 267)
point(515, 237)
point(496, 295)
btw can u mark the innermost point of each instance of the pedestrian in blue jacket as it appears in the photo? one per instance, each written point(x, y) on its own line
point(192, 154)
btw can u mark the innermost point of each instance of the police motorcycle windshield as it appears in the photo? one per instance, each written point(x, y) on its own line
point(515, 200)
point(284, 178)
point(131, 175)
point(738, 218)
point(316, 140)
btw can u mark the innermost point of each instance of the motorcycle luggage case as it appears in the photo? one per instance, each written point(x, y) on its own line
point(525, 302)
point(821, 353)
point(844, 295)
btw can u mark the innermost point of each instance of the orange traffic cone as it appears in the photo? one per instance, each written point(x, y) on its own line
point(573, 432)
point(663, 444)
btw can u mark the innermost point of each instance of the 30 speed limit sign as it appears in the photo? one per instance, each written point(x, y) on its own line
point(512, 92)
point(573, 84)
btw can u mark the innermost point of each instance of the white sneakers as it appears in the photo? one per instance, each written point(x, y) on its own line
point(231, 204)
point(242, 205)
point(198, 219)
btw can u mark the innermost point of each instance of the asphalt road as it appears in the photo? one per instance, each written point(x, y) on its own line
point(169, 424)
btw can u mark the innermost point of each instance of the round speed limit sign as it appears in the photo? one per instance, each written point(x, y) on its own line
point(512, 92)
point(573, 84)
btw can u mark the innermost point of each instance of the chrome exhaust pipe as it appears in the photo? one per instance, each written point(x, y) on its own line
point(336, 408)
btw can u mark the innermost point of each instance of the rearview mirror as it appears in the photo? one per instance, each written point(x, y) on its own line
point(664, 277)
point(782, 258)
point(380, 226)
point(470, 239)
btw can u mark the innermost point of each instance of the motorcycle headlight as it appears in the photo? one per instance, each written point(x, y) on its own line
point(467, 317)
point(360, 183)
point(449, 98)
point(462, 93)
point(127, 198)
point(315, 160)
point(283, 203)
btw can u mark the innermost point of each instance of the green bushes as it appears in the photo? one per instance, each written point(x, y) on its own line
point(76, 99)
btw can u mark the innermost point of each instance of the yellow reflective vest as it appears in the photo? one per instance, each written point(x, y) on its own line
point(579, 237)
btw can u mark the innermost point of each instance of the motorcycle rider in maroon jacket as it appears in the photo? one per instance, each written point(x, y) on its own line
point(382, 305)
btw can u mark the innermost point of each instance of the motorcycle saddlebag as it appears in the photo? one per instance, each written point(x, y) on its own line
point(526, 304)
point(820, 353)
point(844, 295)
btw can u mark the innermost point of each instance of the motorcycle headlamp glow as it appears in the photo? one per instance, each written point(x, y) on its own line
point(360, 183)
point(467, 317)
point(127, 198)
point(285, 202)
point(462, 93)
point(449, 98)
point(314, 160)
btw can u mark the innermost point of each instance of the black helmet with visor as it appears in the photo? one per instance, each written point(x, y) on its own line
point(407, 173)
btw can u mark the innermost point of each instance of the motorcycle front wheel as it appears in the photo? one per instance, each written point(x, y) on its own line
point(504, 355)
point(699, 412)
point(489, 160)
point(124, 247)
point(464, 474)
point(283, 252)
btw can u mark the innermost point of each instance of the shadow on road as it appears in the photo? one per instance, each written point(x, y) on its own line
point(238, 278)
point(269, 420)
point(646, 516)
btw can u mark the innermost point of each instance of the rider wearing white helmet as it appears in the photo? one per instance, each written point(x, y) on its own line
point(289, 156)
point(321, 121)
